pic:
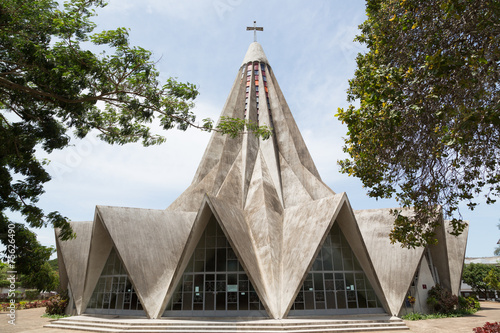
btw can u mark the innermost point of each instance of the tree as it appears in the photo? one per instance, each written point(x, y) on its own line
point(492, 279)
point(427, 129)
point(51, 84)
point(474, 275)
point(30, 258)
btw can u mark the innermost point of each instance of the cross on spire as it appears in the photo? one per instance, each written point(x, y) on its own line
point(255, 28)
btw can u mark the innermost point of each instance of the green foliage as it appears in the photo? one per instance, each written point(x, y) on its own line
point(29, 256)
point(421, 316)
point(32, 294)
point(54, 264)
point(492, 279)
point(474, 275)
point(56, 305)
point(427, 128)
point(51, 84)
point(413, 316)
point(468, 305)
point(55, 316)
point(441, 300)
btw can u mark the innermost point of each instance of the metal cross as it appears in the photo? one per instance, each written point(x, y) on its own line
point(255, 28)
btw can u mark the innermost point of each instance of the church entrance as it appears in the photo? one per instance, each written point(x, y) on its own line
point(336, 283)
point(114, 292)
point(214, 282)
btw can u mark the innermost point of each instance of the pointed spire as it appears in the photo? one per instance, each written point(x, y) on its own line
point(255, 53)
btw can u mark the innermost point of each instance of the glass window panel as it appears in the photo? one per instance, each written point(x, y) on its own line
point(337, 260)
point(341, 301)
point(232, 279)
point(308, 285)
point(348, 265)
point(198, 266)
point(211, 242)
point(199, 254)
point(232, 265)
point(221, 260)
point(362, 299)
point(329, 285)
point(349, 281)
point(231, 254)
point(186, 301)
point(210, 260)
point(209, 301)
point(299, 306)
point(317, 265)
point(327, 256)
point(330, 300)
point(309, 300)
point(318, 281)
point(243, 300)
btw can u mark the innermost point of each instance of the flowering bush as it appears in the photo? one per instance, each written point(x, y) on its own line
point(488, 328)
point(57, 304)
point(24, 305)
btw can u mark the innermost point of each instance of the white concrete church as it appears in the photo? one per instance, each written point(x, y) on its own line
point(256, 235)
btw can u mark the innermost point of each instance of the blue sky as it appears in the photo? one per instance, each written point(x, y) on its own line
point(310, 47)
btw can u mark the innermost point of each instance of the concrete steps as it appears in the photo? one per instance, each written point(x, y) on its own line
point(303, 325)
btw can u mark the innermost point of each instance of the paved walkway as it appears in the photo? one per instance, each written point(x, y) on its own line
point(31, 321)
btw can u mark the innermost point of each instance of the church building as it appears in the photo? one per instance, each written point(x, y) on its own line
point(257, 234)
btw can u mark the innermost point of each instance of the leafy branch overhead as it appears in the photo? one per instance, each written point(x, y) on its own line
point(427, 128)
point(51, 84)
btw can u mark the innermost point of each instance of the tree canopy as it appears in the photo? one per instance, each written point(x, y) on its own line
point(51, 84)
point(31, 259)
point(427, 127)
point(475, 274)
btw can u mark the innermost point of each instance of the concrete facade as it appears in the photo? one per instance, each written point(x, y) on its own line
point(299, 244)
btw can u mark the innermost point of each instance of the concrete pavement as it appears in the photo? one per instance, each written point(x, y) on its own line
point(31, 321)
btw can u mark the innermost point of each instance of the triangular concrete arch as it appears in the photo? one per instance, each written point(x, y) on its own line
point(73, 255)
point(231, 220)
point(375, 226)
point(131, 228)
point(100, 248)
point(339, 211)
point(456, 255)
point(304, 230)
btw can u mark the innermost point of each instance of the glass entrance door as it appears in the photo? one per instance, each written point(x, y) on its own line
point(214, 282)
point(336, 283)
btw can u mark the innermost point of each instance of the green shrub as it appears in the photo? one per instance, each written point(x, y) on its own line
point(441, 300)
point(413, 316)
point(57, 304)
point(468, 305)
point(32, 294)
point(46, 315)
